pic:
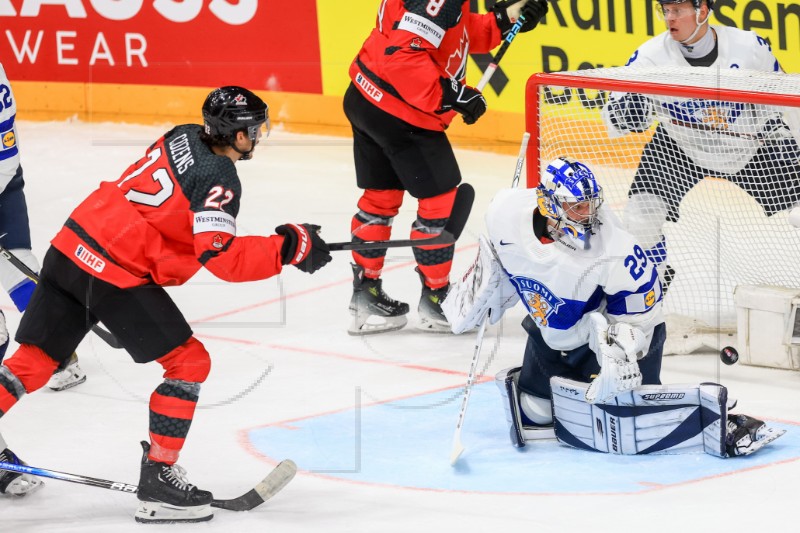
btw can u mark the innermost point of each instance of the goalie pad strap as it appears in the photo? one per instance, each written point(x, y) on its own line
point(649, 419)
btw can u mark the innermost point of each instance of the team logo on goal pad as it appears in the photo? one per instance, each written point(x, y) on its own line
point(540, 301)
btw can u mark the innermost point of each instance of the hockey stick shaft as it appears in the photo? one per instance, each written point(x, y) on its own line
point(107, 336)
point(278, 478)
point(509, 38)
point(462, 205)
point(458, 448)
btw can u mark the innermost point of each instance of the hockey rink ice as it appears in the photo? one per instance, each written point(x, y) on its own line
point(368, 420)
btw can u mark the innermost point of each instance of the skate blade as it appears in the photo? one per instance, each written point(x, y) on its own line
point(376, 324)
point(64, 386)
point(24, 485)
point(433, 326)
point(162, 513)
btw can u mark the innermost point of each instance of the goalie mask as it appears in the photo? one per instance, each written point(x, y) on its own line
point(229, 110)
point(570, 195)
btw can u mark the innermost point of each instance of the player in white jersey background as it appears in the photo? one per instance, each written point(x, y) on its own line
point(698, 138)
point(15, 234)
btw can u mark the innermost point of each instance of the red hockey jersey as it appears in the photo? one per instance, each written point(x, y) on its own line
point(169, 214)
point(413, 45)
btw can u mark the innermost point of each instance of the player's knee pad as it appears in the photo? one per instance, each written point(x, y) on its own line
point(32, 367)
point(188, 362)
point(528, 417)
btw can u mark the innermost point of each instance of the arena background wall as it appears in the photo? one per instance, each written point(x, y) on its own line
point(153, 61)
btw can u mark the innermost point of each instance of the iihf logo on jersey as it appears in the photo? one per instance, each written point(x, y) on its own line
point(540, 301)
point(89, 259)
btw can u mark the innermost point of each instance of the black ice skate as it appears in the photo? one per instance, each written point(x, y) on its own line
point(372, 309)
point(429, 309)
point(166, 497)
point(14, 483)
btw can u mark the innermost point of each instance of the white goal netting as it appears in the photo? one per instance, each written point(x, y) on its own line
point(707, 158)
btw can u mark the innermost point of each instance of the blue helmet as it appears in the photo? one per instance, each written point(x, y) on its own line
point(570, 195)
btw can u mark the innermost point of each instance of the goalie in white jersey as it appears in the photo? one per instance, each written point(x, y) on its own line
point(696, 138)
point(595, 327)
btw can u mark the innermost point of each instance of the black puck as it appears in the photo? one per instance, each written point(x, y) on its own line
point(729, 355)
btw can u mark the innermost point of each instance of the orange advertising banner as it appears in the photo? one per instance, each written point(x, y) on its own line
point(260, 44)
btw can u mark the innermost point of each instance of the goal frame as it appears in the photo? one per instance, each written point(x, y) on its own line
point(532, 102)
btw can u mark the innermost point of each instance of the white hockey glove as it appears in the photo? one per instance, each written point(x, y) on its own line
point(619, 372)
point(477, 291)
point(747, 435)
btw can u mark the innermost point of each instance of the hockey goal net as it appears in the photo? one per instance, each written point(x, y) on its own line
point(719, 150)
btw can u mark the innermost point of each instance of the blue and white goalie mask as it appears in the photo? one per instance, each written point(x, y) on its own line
point(570, 195)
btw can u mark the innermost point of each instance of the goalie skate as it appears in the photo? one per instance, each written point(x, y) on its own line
point(166, 496)
point(372, 309)
point(747, 435)
point(13, 483)
point(70, 376)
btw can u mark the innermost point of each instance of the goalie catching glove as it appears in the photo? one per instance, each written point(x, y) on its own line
point(303, 247)
point(617, 349)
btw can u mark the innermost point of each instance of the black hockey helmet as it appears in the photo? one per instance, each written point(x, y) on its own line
point(231, 109)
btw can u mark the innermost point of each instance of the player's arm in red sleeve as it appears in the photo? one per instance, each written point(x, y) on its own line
point(233, 258)
point(484, 34)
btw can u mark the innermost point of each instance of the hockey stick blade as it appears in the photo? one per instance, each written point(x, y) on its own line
point(106, 336)
point(278, 478)
point(462, 205)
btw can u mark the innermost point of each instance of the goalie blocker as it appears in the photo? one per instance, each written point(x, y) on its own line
point(667, 419)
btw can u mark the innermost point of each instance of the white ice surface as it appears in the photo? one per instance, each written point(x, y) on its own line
point(314, 367)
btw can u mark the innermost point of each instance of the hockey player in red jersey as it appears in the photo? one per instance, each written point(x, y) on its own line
point(408, 83)
point(169, 214)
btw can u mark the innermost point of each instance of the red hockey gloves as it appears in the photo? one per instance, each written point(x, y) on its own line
point(463, 99)
point(532, 13)
point(303, 247)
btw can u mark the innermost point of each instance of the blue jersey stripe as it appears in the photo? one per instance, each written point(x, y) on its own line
point(8, 124)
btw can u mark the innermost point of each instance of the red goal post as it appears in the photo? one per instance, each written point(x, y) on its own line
point(726, 233)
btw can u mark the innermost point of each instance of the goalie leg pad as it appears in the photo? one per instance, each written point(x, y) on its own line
point(649, 419)
point(521, 428)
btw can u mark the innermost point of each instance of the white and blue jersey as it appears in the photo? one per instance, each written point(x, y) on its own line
point(9, 153)
point(717, 135)
point(559, 284)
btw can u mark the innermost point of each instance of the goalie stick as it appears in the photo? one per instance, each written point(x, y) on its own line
point(458, 447)
point(278, 478)
point(107, 336)
point(462, 205)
